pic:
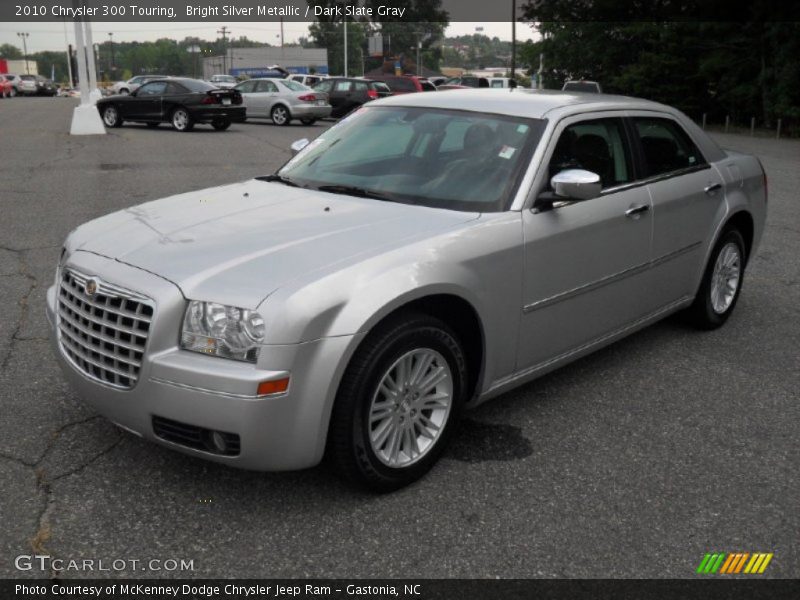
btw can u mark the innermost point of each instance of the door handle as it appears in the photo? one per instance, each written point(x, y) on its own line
point(634, 211)
point(712, 187)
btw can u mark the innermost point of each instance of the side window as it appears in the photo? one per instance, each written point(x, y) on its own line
point(324, 86)
point(343, 86)
point(360, 86)
point(598, 146)
point(266, 86)
point(155, 88)
point(666, 146)
point(175, 89)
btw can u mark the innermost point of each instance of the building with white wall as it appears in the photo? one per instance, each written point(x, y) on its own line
point(256, 62)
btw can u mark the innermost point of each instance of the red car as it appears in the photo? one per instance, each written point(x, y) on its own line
point(406, 84)
point(6, 89)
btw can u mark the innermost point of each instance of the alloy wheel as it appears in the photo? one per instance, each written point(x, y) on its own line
point(410, 407)
point(725, 278)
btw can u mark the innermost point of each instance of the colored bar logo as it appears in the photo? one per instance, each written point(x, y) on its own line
point(733, 563)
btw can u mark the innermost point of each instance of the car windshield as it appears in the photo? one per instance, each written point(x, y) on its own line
point(195, 85)
point(293, 85)
point(440, 158)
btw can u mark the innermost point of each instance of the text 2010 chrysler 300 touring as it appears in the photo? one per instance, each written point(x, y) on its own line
point(427, 253)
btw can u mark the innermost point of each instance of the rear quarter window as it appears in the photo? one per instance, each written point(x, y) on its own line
point(666, 147)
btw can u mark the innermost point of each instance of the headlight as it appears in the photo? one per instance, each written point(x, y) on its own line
point(221, 330)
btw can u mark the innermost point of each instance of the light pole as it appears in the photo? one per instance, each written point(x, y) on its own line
point(345, 46)
point(224, 31)
point(111, 41)
point(513, 37)
point(24, 37)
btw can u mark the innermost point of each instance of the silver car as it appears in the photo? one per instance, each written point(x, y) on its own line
point(224, 82)
point(134, 83)
point(283, 100)
point(426, 254)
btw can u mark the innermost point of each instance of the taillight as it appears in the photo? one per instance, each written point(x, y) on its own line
point(209, 100)
point(307, 98)
point(237, 98)
point(373, 95)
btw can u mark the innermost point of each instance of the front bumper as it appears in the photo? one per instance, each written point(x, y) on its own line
point(280, 432)
point(234, 114)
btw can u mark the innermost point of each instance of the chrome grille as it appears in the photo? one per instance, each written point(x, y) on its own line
point(104, 334)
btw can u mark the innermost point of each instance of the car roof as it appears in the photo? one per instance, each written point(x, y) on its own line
point(534, 104)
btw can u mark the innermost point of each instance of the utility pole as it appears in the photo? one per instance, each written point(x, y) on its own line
point(345, 46)
point(513, 38)
point(24, 37)
point(224, 31)
point(111, 41)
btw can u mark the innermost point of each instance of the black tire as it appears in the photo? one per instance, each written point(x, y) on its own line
point(280, 115)
point(702, 313)
point(308, 121)
point(153, 125)
point(111, 116)
point(349, 448)
point(221, 125)
point(181, 120)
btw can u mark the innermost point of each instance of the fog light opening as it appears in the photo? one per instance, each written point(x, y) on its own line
point(217, 443)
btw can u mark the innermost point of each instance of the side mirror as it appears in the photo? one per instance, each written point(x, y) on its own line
point(298, 145)
point(570, 184)
point(576, 184)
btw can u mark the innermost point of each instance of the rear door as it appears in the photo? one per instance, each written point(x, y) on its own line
point(265, 96)
point(687, 193)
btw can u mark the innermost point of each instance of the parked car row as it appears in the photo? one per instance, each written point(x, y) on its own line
point(25, 85)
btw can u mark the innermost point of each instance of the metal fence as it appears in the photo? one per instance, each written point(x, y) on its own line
point(780, 127)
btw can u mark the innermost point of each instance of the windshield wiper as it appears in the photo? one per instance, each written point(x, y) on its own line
point(352, 190)
point(280, 179)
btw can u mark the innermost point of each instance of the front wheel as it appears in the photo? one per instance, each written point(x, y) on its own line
point(398, 402)
point(722, 282)
point(111, 117)
point(280, 115)
point(182, 120)
point(221, 125)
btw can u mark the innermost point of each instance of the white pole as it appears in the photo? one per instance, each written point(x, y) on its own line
point(345, 46)
point(69, 58)
point(91, 60)
point(83, 74)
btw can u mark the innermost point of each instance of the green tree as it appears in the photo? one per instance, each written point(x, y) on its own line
point(10, 52)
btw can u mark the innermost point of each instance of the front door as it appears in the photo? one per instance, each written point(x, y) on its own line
point(586, 262)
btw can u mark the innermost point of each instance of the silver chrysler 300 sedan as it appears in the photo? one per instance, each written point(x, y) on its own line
point(429, 252)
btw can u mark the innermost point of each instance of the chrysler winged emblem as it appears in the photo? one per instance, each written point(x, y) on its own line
point(91, 286)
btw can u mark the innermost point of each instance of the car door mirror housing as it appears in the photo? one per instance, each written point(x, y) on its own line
point(298, 145)
point(576, 184)
point(569, 185)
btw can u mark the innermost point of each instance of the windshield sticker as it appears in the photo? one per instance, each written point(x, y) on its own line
point(522, 129)
point(506, 152)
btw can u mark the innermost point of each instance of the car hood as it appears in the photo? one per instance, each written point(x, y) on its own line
point(238, 243)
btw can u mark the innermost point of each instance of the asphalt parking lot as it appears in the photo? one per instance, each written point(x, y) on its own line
point(632, 462)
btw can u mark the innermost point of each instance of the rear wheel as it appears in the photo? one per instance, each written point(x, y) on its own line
point(398, 402)
point(111, 117)
point(182, 120)
point(13, 92)
point(722, 282)
point(280, 115)
point(308, 121)
point(221, 125)
point(124, 92)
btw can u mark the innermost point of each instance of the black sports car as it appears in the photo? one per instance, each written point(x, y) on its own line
point(182, 102)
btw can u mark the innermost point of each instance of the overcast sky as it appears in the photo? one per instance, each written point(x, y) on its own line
point(51, 35)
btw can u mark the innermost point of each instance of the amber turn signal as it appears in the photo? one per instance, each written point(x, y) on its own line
point(277, 386)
